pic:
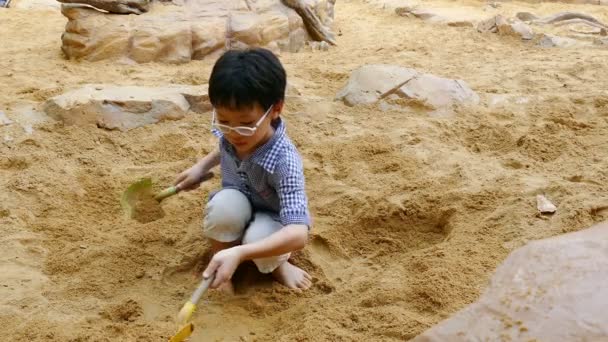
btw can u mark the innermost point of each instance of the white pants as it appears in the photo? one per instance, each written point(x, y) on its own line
point(228, 219)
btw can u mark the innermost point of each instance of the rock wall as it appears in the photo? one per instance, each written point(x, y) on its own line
point(173, 33)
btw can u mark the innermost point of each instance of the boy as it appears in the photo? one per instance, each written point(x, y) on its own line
point(261, 213)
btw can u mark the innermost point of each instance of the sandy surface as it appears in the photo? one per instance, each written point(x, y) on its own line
point(413, 213)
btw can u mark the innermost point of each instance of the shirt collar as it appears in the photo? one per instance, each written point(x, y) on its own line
point(266, 155)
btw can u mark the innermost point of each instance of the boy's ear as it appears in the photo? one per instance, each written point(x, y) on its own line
point(277, 108)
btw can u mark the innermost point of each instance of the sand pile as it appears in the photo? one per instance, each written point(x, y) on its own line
point(413, 213)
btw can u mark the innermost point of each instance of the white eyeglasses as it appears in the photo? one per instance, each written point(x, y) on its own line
point(242, 130)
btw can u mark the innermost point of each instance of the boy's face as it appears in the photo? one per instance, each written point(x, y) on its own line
point(248, 117)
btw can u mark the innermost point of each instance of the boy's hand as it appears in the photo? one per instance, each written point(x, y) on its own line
point(192, 178)
point(223, 264)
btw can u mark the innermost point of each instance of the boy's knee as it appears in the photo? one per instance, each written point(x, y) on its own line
point(262, 227)
point(227, 215)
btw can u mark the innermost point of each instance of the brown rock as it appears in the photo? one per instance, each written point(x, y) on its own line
point(208, 37)
point(194, 30)
point(93, 35)
point(170, 44)
point(549, 290)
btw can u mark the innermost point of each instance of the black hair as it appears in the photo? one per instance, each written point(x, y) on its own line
point(242, 78)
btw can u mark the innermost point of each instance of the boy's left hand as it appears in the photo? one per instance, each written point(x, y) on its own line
point(223, 264)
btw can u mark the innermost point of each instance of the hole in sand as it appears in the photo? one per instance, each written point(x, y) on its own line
point(380, 227)
point(144, 208)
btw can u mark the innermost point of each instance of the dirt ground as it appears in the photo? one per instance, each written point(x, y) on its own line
point(412, 212)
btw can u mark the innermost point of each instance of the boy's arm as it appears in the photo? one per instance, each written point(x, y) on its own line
point(191, 178)
point(290, 238)
point(211, 160)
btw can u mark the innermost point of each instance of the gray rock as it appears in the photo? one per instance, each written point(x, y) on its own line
point(548, 41)
point(601, 41)
point(125, 107)
point(526, 16)
point(512, 27)
point(549, 290)
point(516, 28)
point(437, 92)
point(371, 83)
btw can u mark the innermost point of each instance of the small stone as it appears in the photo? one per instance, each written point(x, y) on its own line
point(514, 27)
point(511, 27)
point(28, 129)
point(83, 247)
point(404, 10)
point(547, 41)
point(544, 205)
point(601, 41)
point(4, 120)
point(140, 274)
point(494, 5)
point(526, 16)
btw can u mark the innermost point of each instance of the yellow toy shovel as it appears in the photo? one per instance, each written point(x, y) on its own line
point(188, 309)
point(140, 203)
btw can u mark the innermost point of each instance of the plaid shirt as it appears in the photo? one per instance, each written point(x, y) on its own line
point(272, 178)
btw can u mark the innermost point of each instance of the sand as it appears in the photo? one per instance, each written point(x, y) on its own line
point(412, 213)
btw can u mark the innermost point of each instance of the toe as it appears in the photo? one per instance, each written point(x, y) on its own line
point(306, 275)
point(304, 284)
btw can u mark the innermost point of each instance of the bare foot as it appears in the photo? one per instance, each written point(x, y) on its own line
point(292, 276)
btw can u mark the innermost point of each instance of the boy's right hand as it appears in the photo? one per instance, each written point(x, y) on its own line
point(192, 178)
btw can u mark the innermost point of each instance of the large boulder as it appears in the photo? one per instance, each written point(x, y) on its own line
point(548, 290)
point(126, 107)
point(370, 83)
point(195, 29)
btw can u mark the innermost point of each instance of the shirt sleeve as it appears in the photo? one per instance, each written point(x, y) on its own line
point(292, 195)
point(217, 132)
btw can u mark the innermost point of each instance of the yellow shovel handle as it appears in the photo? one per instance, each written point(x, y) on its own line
point(172, 190)
point(168, 192)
